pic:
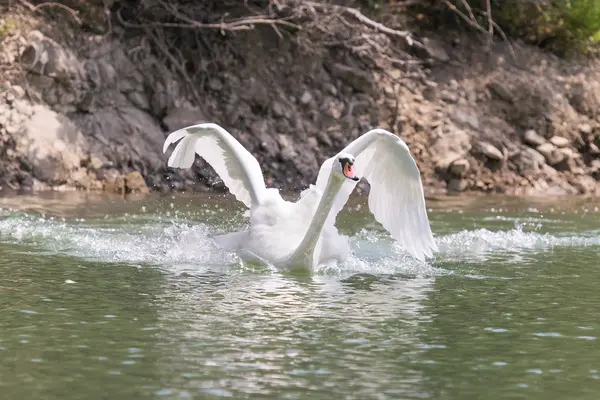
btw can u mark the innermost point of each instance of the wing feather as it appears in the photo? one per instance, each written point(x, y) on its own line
point(238, 169)
point(396, 198)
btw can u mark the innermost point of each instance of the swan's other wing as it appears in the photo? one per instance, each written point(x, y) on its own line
point(238, 169)
point(396, 198)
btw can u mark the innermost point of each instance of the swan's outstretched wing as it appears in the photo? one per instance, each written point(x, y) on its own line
point(238, 169)
point(396, 198)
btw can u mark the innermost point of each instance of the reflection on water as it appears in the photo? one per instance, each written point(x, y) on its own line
point(107, 298)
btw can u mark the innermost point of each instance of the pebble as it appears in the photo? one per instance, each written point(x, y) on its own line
point(532, 138)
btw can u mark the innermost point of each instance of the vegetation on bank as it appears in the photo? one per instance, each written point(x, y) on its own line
point(566, 27)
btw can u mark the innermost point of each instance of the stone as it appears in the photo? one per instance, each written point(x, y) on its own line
point(278, 109)
point(139, 100)
point(459, 167)
point(115, 185)
point(456, 185)
point(449, 146)
point(135, 183)
point(359, 80)
point(532, 138)
point(449, 97)
point(530, 160)
point(44, 56)
point(585, 184)
point(585, 128)
point(23, 107)
point(433, 49)
point(490, 151)
point(501, 91)
point(430, 92)
point(18, 91)
point(215, 84)
point(52, 144)
point(551, 153)
point(306, 98)
point(593, 149)
point(559, 141)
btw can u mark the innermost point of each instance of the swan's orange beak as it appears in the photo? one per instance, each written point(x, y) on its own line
point(349, 172)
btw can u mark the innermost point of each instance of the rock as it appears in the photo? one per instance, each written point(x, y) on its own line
point(450, 146)
point(459, 167)
point(501, 91)
point(490, 151)
point(551, 153)
point(430, 92)
point(449, 97)
point(530, 160)
point(287, 150)
point(306, 98)
point(52, 144)
point(180, 117)
point(278, 109)
point(559, 141)
point(134, 182)
point(139, 100)
point(359, 80)
point(215, 84)
point(585, 129)
point(18, 91)
point(532, 138)
point(593, 149)
point(464, 116)
point(115, 185)
point(46, 57)
point(433, 49)
point(456, 185)
point(585, 184)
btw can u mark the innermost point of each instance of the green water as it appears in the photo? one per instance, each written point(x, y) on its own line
point(104, 298)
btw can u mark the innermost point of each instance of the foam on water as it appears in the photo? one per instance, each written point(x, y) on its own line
point(173, 243)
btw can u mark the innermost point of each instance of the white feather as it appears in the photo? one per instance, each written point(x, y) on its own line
point(280, 230)
point(238, 169)
point(396, 198)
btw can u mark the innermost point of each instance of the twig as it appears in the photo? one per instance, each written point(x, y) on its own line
point(468, 8)
point(490, 21)
point(503, 36)
point(406, 35)
point(176, 65)
point(472, 22)
point(235, 25)
point(52, 4)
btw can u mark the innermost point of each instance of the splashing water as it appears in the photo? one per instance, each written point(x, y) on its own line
point(170, 240)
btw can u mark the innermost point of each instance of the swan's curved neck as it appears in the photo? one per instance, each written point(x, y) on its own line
point(304, 252)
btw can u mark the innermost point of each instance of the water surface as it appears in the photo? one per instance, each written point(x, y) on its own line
point(102, 297)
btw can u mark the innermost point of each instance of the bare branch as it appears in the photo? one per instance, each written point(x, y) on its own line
point(52, 4)
point(367, 21)
point(470, 21)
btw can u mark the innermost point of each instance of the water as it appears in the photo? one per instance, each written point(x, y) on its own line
point(102, 298)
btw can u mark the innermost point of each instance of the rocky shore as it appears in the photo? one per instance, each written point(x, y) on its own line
point(82, 110)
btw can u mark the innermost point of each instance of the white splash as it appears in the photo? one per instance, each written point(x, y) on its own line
point(183, 244)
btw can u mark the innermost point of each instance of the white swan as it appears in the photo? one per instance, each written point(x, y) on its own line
point(303, 234)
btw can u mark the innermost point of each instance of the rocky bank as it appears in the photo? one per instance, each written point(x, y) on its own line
point(89, 109)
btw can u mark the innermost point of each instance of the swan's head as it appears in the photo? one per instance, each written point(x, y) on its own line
point(346, 166)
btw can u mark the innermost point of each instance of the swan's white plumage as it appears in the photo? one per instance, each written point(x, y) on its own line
point(238, 169)
point(396, 197)
point(278, 227)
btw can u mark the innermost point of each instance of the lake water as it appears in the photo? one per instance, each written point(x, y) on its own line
point(105, 298)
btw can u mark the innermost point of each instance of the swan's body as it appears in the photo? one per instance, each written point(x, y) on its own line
point(303, 234)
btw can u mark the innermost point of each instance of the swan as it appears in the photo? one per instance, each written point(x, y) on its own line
point(302, 234)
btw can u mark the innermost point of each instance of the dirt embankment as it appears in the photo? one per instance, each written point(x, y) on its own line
point(89, 106)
